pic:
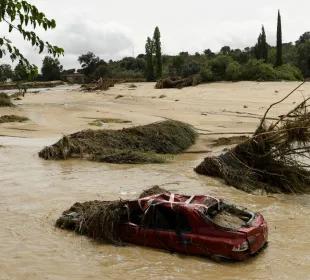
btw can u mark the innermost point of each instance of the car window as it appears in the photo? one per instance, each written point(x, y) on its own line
point(165, 218)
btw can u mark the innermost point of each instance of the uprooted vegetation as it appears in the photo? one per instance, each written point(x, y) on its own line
point(177, 82)
point(101, 84)
point(12, 118)
point(99, 219)
point(5, 100)
point(275, 158)
point(141, 144)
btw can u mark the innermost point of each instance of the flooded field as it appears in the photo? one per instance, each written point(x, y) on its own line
point(35, 192)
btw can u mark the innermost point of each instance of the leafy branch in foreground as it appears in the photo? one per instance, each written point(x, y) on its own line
point(18, 15)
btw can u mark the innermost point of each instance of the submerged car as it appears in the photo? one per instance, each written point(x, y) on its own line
point(193, 225)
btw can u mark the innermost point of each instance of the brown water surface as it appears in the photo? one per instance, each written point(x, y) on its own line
point(34, 193)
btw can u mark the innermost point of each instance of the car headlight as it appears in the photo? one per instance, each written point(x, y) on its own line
point(241, 247)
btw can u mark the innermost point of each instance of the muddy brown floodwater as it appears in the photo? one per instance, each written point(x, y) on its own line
point(35, 192)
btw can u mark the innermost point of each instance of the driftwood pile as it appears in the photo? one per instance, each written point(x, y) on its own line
point(177, 82)
point(101, 84)
point(276, 158)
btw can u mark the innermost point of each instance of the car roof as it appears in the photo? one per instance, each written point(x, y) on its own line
point(171, 200)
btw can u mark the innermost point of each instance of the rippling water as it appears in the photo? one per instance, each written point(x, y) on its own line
point(34, 193)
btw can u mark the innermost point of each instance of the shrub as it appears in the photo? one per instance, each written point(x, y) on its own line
point(206, 74)
point(255, 70)
point(101, 72)
point(190, 68)
point(289, 72)
point(233, 71)
point(219, 65)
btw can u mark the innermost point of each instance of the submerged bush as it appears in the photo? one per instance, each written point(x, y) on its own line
point(139, 144)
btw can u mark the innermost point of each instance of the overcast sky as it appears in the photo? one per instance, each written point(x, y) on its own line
point(117, 28)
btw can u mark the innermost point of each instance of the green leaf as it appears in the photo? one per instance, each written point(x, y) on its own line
point(10, 28)
point(9, 47)
point(41, 47)
point(21, 17)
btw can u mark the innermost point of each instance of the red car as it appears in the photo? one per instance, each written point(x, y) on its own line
point(193, 225)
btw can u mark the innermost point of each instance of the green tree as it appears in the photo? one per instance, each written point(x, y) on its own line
point(303, 38)
point(157, 51)
point(102, 71)
point(149, 60)
point(219, 65)
point(225, 50)
point(279, 61)
point(233, 71)
point(189, 68)
point(89, 62)
point(6, 72)
point(304, 57)
point(261, 47)
point(51, 69)
point(68, 72)
point(209, 53)
point(264, 45)
point(177, 64)
point(17, 15)
point(25, 72)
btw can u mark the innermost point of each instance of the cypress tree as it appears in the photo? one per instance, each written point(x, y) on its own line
point(279, 42)
point(258, 47)
point(149, 60)
point(157, 51)
point(264, 46)
point(261, 47)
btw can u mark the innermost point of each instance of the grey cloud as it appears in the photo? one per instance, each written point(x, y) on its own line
point(105, 40)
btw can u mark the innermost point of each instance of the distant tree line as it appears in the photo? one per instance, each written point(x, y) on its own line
point(285, 61)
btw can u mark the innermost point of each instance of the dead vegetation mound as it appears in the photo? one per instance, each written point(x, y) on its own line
point(98, 219)
point(141, 144)
point(101, 84)
point(5, 100)
point(177, 82)
point(152, 191)
point(12, 118)
point(275, 158)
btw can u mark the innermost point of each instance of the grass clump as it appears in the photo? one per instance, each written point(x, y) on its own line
point(5, 100)
point(141, 144)
point(99, 122)
point(12, 118)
